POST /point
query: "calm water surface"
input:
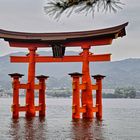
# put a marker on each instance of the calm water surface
(121, 121)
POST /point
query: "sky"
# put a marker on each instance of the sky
(29, 16)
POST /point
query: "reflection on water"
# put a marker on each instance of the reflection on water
(120, 122)
(36, 129)
(87, 130)
(29, 129)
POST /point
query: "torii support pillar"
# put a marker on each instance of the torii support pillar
(76, 95)
(87, 98)
(16, 83)
(42, 85)
(31, 81)
(98, 79)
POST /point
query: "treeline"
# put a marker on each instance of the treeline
(60, 93)
(126, 92)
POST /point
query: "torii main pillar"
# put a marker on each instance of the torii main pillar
(31, 81)
(87, 93)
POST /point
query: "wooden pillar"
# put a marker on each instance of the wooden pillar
(16, 83)
(42, 86)
(76, 95)
(98, 79)
(31, 81)
(87, 99)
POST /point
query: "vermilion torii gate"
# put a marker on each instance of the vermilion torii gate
(58, 42)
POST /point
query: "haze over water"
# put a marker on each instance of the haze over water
(121, 121)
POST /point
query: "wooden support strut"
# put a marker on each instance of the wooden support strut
(42, 104)
(76, 95)
(16, 83)
(27, 86)
(98, 79)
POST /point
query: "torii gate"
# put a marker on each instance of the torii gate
(58, 42)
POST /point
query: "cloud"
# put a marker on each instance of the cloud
(28, 15)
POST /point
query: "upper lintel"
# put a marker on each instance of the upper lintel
(45, 39)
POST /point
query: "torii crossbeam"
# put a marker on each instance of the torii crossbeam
(58, 42)
(49, 59)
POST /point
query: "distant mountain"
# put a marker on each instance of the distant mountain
(118, 73)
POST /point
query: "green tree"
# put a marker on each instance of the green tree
(119, 92)
(55, 8)
(128, 92)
